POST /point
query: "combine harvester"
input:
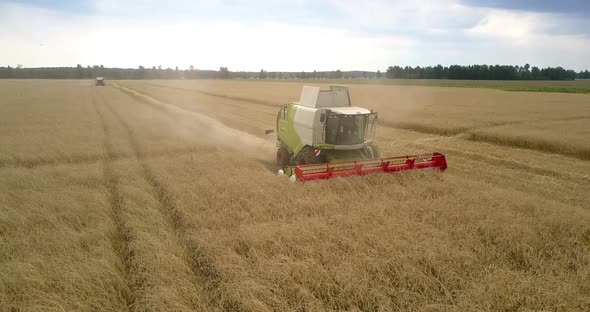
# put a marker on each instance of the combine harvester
(323, 136)
(100, 81)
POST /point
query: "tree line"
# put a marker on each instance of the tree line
(471, 72)
(485, 72)
(91, 72)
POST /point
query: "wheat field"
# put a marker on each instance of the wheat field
(162, 196)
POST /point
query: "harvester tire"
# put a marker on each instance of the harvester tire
(307, 156)
(283, 156)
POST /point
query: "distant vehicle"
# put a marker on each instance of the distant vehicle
(100, 81)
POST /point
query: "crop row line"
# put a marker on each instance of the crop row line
(122, 238)
(468, 134)
(88, 159)
(219, 95)
(196, 258)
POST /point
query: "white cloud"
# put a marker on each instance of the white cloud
(69, 39)
(370, 35)
(398, 15)
(272, 46)
(509, 24)
(527, 37)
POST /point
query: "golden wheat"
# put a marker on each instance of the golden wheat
(148, 204)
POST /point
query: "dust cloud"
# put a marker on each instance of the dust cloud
(209, 130)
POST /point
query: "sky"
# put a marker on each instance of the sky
(294, 35)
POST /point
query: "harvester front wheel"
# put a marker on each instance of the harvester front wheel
(309, 156)
(283, 156)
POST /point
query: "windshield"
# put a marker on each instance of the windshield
(346, 129)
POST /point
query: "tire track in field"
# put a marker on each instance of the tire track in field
(86, 159)
(122, 237)
(196, 258)
(219, 95)
(58, 160)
